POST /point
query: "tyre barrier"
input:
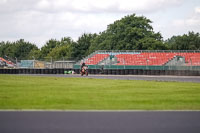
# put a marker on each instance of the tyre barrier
(105, 71)
(122, 72)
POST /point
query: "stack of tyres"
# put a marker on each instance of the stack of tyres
(8, 71)
(198, 73)
(30, 71)
(135, 72)
(38, 71)
(50, 71)
(179, 73)
(148, 72)
(1, 71)
(34, 71)
(171, 72)
(109, 71)
(23, 71)
(95, 71)
(157, 72)
(126, 72)
(167, 72)
(130, 72)
(19, 71)
(4, 71)
(58, 71)
(105, 71)
(14, 71)
(122, 72)
(92, 71)
(118, 72)
(144, 72)
(61, 71)
(161, 72)
(89, 71)
(140, 71)
(113, 72)
(77, 71)
(152, 72)
(183, 73)
(194, 73)
(54, 71)
(42, 71)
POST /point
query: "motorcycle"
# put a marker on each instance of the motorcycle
(84, 70)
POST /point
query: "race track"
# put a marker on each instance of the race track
(130, 77)
(99, 122)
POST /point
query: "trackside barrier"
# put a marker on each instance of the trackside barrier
(195, 68)
(34, 71)
(104, 71)
(141, 72)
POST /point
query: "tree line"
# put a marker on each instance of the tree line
(129, 33)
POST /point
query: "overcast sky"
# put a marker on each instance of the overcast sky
(37, 21)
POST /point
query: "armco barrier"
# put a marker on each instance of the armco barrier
(105, 71)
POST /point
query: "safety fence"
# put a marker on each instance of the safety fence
(38, 64)
(103, 71)
(196, 68)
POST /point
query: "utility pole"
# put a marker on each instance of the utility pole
(33, 61)
(51, 63)
(16, 61)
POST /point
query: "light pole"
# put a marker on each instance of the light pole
(33, 61)
(51, 63)
(16, 61)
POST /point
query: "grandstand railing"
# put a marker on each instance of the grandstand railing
(141, 51)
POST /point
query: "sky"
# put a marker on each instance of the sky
(38, 21)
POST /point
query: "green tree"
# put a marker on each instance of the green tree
(81, 48)
(129, 33)
(19, 49)
(63, 50)
(190, 41)
(35, 53)
(48, 47)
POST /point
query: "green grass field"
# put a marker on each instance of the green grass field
(34, 92)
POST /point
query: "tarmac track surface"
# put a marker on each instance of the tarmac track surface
(131, 77)
(99, 122)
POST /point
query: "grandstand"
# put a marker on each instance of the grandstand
(4, 62)
(181, 63)
(131, 59)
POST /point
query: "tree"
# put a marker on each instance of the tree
(35, 53)
(48, 47)
(63, 50)
(190, 41)
(19, 49)
(129, 33)
(81, 48)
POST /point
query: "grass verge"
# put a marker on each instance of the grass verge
(34, 92)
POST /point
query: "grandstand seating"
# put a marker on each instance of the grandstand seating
(96, 59)
(157, 58)
(147, 58)
(191, 58)
(144, 59)
(9, 63)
